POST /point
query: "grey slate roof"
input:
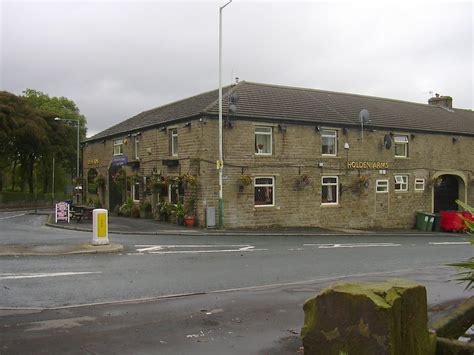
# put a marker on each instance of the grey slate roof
(291, 104)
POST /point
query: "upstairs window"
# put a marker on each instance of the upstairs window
(136, 144)
(263, 140)
(173, 138)
(401, 183)
(330, 190)
(118, 146)
(329, 142)
(401, 146)
(264, 191)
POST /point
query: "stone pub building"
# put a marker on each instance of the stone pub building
(293, 157)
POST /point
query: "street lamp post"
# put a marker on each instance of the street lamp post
(78, 124)
(220, 164)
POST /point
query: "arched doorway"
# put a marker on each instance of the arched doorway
(446, 192)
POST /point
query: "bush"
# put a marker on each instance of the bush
(468, 266)
(126, 209)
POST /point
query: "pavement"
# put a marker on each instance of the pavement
(137, 226)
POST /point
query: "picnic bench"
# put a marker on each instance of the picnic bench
(79, 213)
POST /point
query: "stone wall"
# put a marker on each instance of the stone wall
(297, 152)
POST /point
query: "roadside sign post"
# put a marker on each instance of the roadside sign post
(100, 227)
(62, 212)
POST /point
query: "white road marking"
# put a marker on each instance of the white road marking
(17, 215)
(352, 245)
(449, 243)
(36, 275)
(166, 249)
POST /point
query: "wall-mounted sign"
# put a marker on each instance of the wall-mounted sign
(120, 160)
(377, 165)
(93, 162)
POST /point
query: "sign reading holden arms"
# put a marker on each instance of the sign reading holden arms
(367, 165)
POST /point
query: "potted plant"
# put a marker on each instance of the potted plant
(260, 147)
(190, 217)
(179, 210)
(244, 180)
(165, 210)
(190, 220)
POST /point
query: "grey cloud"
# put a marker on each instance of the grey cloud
(117, 59)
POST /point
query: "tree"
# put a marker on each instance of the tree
(30, 137)
(62, 133)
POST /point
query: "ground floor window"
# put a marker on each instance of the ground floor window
(401, 183)
(264, 191)
(419, 184)
(330, 190)
(175, 193)
(381, 186)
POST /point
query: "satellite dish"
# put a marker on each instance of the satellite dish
(234, 98)
(387, 141)
(364, 116)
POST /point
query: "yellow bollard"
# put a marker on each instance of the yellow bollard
(100, 227)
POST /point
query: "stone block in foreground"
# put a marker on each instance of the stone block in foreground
(368, 318)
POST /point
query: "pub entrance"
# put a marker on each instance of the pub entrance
(446, 192)
(115, 188)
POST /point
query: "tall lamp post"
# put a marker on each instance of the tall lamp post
(78, 124)
(220, 162)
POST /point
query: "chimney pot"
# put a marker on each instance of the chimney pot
(444, 101)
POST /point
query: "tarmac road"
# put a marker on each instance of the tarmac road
(158, 265)
(243, 294)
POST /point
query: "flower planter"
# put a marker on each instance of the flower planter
(189, 221)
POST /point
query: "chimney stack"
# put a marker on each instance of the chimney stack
(443, 101)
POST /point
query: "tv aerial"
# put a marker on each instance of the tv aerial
(364, 118)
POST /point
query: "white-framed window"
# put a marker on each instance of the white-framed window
(329, 142)
(264, 191)
(329, 190)
(118, 146)
(136, 144)
(401, 146)
(175, 193)
(419, 184)
(136, 192)
(263, 140)
(401, 183)
(381, 186)
(172, 194)
(173, 139)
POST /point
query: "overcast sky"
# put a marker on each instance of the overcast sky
(116, 59)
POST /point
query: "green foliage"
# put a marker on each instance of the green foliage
(30, 138)
(165, 209)
(467, 275)
(179, 209)
(126, 209)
